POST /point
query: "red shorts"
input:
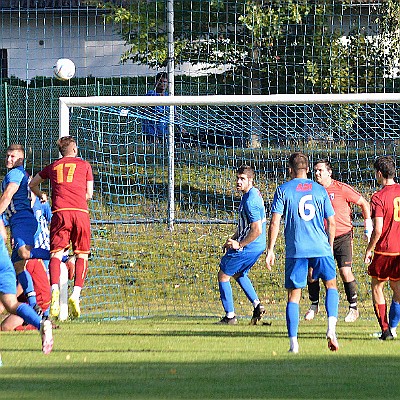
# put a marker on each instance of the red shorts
(385, 267)
(41, 283)
(70, 227)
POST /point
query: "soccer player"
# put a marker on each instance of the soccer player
(38, 271)
(342, 197)
(15, 202)
(8, 297)
(384, 265)
(305, 204)
(244, 248)
(71, 181)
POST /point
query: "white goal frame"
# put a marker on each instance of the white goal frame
(66, 103)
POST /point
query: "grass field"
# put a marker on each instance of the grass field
(196, 359)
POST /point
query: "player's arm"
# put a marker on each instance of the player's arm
(331, 229)
(366, 212)
(273, 232)
(89, 190)
(376, 234)
(254, 233)
(34, 186)
(7, 196)
(3, 231)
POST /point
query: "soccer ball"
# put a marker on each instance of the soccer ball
(64, 69)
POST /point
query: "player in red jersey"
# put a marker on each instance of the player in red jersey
(71, 180)
(342, 197)
(38, 271)
(385, 264)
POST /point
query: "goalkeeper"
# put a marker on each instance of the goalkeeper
(342, 197)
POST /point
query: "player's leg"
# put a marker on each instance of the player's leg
(343, 251)
(54, 270)
(394, 311)
(313, 295)
(81, 268)
(38, 270)
(325, 269)
(292, 318)
(230, 263)
(24, 278)
(246, 285)
(296, 270)
(25, 312)
(380, 307)
(63, 316)
(80, 240)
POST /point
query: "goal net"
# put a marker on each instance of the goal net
(165, 198)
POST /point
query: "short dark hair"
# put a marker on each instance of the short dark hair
(325, 161)
(246, 169)
(298, 161)
(386, 166)
(161, 75)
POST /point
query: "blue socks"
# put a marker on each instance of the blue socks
(247, 287)
(225, 290)
(25, 279)
(28, 314)
(332, 303)
(292, 318)
(394, 314)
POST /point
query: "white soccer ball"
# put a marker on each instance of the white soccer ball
(64, 69)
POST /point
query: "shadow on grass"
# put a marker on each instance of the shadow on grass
(329, 377)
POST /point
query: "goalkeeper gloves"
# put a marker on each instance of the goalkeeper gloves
(368, 227)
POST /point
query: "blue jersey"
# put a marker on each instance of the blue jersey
(304, 204)
(20, 205)
(43, 215)
(252, 209)
(158, 124)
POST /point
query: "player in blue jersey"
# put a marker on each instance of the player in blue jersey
(244, 248)
(157, 127)
(8, 297)
(15, 203)
(304, 204)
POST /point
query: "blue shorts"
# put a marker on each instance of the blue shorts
(24, 233)
(8, 279)
(296, 270)
(238, 261)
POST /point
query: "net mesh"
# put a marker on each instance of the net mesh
(141, 268)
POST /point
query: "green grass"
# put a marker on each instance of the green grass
(171, 358)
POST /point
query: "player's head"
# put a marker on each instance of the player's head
(385, 167)
(244, 178)
(161, 82)
(15, 155)
(67, 146)
(298, 164)
(323, 172)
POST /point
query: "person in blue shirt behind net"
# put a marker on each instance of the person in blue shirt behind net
(304, 205)
(244, 248)
(155, 128)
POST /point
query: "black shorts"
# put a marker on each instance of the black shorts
(343, 250)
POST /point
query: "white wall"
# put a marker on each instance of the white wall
(34, 42)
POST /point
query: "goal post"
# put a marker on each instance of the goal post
(139, 266)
